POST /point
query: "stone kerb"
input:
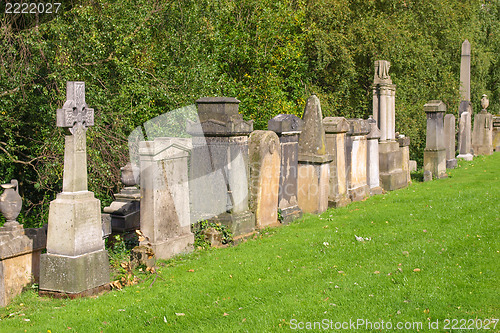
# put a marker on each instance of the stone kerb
(449, 140)
(435, 151)
(313, 166)
(482, 134)
(264, 158)
(165, 214)
(335, 133)
(288, 127)
(219, 170)
(356, 159)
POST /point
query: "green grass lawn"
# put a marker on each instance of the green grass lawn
(434, 254)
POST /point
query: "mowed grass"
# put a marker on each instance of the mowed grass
(434, 254)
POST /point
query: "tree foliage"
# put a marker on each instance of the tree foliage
(142, 58)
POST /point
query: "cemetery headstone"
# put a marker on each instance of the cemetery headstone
(464, 137)
(449, 140)
(496, 133)
(404, 147)
(465, 71)
(219, 172)
(76, 263)
(372, 162)
(392, 176)
(164, 214)
(335, 135)
(482, 134)
(435, 151)
(356, 159)
(264, 158)
(314, 161)
(288, 128)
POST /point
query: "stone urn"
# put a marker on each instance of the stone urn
(11, 203)
(127, 176)
(485, 102)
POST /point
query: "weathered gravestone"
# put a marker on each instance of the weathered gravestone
(20, 248)
(435, 151)
(392, 176)
(356, 158)
(288, 128)
(482, 135)
(449, 141)
(372, 162)
(404, 147)
(464, 137)
(496, 133)
(219, 172)
(76, 262)
(335, 133)
(264, 158)
(314, 162)
(124, 212)
(165, 214)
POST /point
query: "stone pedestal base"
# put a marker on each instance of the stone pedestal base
(482, 150)
(172, 246)
(435, 162)
(240, 224)
(359, 193)
(451, 164)
(290, 213)
(392, 175)
(338, 201)
(313, 187)
(126, 223)
(78, 275)
(376, 190)
(467, 157)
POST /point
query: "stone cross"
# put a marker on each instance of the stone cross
(76, 117)
(465, 71)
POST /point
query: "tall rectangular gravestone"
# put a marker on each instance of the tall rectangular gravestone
(335, 134)
(314, 161)
(464, 137)
(219, 170)
(372, 162)
(496, 133)
(392, 176)
(482, 134)
(356, 159)
(288, 128)
(264, 158)
(404, 147)
(76, 262)
(165, 215)
(449, 141)
(435, 151)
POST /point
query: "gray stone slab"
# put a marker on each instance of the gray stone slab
(435, 150)
(465, 71)
(449, 140)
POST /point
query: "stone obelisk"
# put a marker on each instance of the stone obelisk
(76, 263)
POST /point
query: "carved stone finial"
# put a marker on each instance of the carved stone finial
(382, 72)
(485, 102)
(75, 112)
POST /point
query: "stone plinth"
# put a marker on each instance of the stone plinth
(219, 170)
(404, 147)
(335, 133)
(372, 162)
(392, 176)
(496, 133)
(449, 141)
(482, 134)
(76, 262)
(264, 158)
(314, 162)
(165, 214)
(288, 128)
(464, 137)
(356, 159)
(19, 260)
(435, 151)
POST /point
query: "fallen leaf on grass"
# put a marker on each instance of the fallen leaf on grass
(191, 270)
(376, 272)
(226, 314)
(180, 314)
(416, 270)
